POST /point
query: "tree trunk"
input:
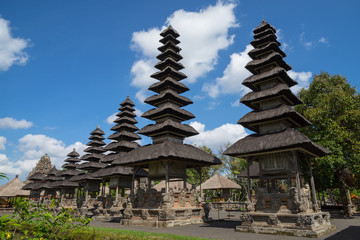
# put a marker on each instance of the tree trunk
(344, 197)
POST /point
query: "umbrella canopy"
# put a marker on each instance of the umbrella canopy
(13, 188)
(218, 182)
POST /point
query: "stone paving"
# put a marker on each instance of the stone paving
(347, 228)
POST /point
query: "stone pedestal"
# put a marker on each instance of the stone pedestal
(301, 224)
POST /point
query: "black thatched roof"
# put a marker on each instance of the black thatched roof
(168, 109)
(72, 160)
(169, 62)
(52, 178)
(273, 58)
(121, 146)
(128, 102)
(169, 31)
(288, 139)
(170, 45)
(264, 33)
(280, 90)
(125, 120)
(92, 165)
(73, 154)
(70, 172)
(169, 53)
(171, 95)
(124, 126)
(252, 120)
(70, 165)
(37, 177)
(92, 157)
(267, 38)
(33, 186)
(112, 156)
(169, 125)
(66, 184)
(126, 113)
(169, 71)
(167, 83)
(97, 131)
(112, 171)
(168, 150)
(169, 38)
(124, 135)
(271, 46)
(127, 108)
(262, 27)
(253, 81)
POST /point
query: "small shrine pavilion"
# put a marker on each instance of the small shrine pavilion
(277, 147)
(167, 157)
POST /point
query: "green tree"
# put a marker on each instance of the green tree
(333, 107)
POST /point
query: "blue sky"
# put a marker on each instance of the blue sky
(66, 65)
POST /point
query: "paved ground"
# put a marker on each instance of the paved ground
(347, 229)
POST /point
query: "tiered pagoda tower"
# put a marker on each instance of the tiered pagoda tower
(51, 179)
(119, 177)
(167, 158)
(94, 155)
(67, 187)
(277, 146)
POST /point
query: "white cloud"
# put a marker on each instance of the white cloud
(307, 44)
(234, 74)
(323, 40)
(11, 49)
(14, 124)
(33, 147)
(227, 133)
(2, 143)
(303, 79)
(236, 103)
(202, 34)
(110, 119)
(138, 112)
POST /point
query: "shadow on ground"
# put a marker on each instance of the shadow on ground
(351, 232)
(221, 224)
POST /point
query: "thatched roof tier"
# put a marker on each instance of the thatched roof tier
(72, 160)
(124, 135)
(126, 108)
(253, 120)
(169, 72)
(253, 82)
(125, 120)
(73, 154)
(53, 172)
(77, 178)
(92, 157)
(269, 47)
(84, 177)
(70, 165)
(95, 143)
(169, 38)
(66, 184)
(172, 46)
(254, 171)
(169, 53)
(168, 95)
(170, 31)
(112, 156)
(264, 33)
(37, 177)
(94, 149)
(168, 126)
(121, 146)
(127, 102)
(70, 173)
(175, 185)
(280, 91)
(168, 110)
(13, 188)
(118, 171)
(126, 113)
(124, 126)
(97, 131)
(262, 27)
(275, 59)
(267, 38)
(219, 182)
(91, 166)
(50, 185)
(51, 178)
(168, 150)
(96, 137)
(33, 186)
(286, 140)
(168, 83)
